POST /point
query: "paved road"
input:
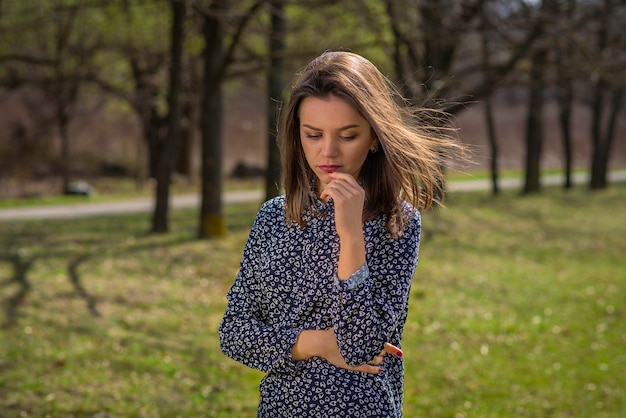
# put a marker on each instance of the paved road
(185, 201)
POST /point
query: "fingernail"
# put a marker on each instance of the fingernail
(380, 370)
(399, 353)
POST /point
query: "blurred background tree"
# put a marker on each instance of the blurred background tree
(190, 88)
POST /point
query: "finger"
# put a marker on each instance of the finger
(331, 189)
(367, 368)
(343, 176)
(340, 187)
(393, 350)
(337, 189)
(346, 180)
(377, 360)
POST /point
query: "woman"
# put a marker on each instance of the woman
(321, 298)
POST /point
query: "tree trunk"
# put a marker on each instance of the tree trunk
(617, 99)
(489, 121)
(599, 151)
(534, 125)
(66, 162)
(185, 154)
(493, 146)
(565, 92)
(275, 88)
(398, 46)
(212, 222)
(66, 95)
(598, 178)
(65, 92)
(189, 119)
(153, 134)
(603, 143)
(145, 103)
(565, 99)
(168, 154)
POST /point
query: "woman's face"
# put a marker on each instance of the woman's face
(334, 137)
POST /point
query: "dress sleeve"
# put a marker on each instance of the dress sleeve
(374, 299)
(244, 336)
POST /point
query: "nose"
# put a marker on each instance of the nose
(329, 147)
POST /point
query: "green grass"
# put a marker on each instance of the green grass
(517, 309)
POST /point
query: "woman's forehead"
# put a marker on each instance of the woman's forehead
(329, 111)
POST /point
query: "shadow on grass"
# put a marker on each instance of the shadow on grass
(72, 271)
(85, 240)
(20, 265)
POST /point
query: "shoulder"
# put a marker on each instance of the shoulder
(404, 224)
(410, 213)
(271, 211)
(269, 218)
(412, 221)
(273, 205)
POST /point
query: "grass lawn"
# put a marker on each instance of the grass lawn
(517, 309)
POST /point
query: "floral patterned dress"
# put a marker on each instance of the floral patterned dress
(287, 283)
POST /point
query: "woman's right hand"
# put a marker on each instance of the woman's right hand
(323, 343)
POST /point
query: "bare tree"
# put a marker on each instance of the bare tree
(608, 85)
(145, 102)
(489, 118)
(212, 222)
(450, 53)
(217, 56)
(64, 91)
(565, 99)
(534, 122)
(56, 64)
(275, 86)
(170, 147)
(564, 85)
(436, 53)
(145, 55)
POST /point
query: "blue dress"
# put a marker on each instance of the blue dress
(287, 283)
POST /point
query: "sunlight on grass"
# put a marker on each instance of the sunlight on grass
(517, 309)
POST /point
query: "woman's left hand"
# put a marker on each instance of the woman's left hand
(349, 198)
(323, 344)
(389, 349)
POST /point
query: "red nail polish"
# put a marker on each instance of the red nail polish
(380, 370)
(399, 353)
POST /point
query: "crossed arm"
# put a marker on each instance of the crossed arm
(349, 198)
(323, 343)
(364, 317)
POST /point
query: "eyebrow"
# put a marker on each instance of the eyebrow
(343, 128)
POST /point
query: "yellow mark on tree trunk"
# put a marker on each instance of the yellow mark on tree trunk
(214, 226)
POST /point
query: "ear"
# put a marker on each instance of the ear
(374, 145)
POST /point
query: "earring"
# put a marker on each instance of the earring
(374, 149)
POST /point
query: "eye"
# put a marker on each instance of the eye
(348, 137)
(312, 135)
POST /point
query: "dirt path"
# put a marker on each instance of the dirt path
(186, 201)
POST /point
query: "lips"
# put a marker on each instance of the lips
(329, 168)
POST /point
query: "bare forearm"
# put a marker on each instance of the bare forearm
(351, 255)
(307, 344)
(323, 344)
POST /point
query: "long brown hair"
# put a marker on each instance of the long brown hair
(408, 164)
